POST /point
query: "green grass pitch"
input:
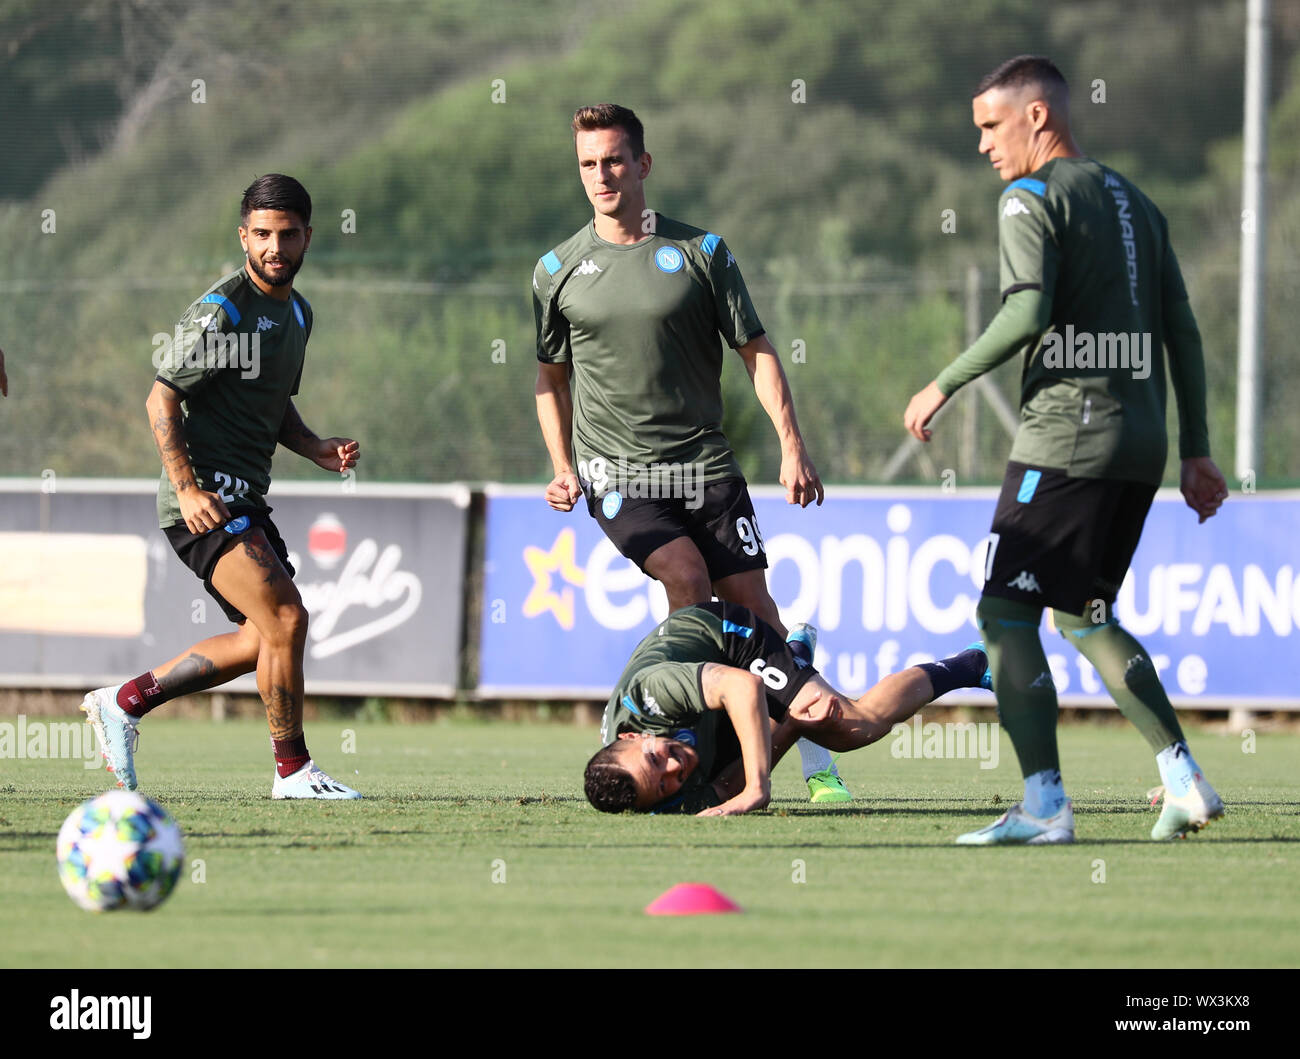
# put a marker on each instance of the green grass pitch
(475, 848)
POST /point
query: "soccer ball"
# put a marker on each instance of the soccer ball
(120, 850)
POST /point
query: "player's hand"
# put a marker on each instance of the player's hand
(814, 705)
(921, 409)
(1203, 486)
(799, 476)
(337, 454)
(202, 512)
(563, 492)
(746, 801)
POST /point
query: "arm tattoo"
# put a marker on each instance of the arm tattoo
(190, 674)
(169, 436)
(710, 679)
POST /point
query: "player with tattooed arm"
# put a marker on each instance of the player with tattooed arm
(221, 402)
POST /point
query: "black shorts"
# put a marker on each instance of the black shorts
(200, 552)
(721, 524)
(1062, 542)
(748, 640)
(756, 647)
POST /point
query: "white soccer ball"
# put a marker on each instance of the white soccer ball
(120, 850)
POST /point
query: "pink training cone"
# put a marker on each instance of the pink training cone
(691, 899)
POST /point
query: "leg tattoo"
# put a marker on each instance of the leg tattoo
(266, 559)
(192, 673)
(280, 713)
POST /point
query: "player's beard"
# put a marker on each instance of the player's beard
(278, 279)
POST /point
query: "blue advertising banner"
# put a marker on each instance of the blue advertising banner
(891, 577)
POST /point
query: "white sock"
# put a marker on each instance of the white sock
(1044, 794)
(1178, 769)
(815, 758)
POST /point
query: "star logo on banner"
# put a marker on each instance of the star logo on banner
(542, 564)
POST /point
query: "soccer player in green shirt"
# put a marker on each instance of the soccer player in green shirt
(221, 402)
(629, 393)
(713, 697)
(1093, 295)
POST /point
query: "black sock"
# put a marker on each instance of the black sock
(802, 656)
(963, 670)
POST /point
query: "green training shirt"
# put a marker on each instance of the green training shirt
(659, 690)
(639, 327)
(1093, 389)
(236, 358)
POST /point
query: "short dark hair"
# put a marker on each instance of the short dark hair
(611, 116)
(1025, 70)
(609, 786)
(275, 191)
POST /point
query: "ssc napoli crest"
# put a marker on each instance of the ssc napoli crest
(669, 259)
(237, 525)
(611, 504)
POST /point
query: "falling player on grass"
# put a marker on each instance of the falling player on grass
(712, 698)
(629, 313)
(217, 413)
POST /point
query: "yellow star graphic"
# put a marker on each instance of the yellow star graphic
(541, 564)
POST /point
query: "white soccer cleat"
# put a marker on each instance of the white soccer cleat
(310, 782)
(1016, 827)
(1188, 814)
(116, 732)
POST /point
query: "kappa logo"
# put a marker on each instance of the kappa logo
(1026, 582)
(588, 268)
(265, 323)
(730, 260)
(1013, 207)
(649, 703)
(1136, 664)
(209, 322)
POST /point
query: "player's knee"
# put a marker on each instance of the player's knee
(996, 618)
(1076, 628)
(289, 624)
(686, 586)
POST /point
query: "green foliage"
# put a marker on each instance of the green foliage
(441, 131)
